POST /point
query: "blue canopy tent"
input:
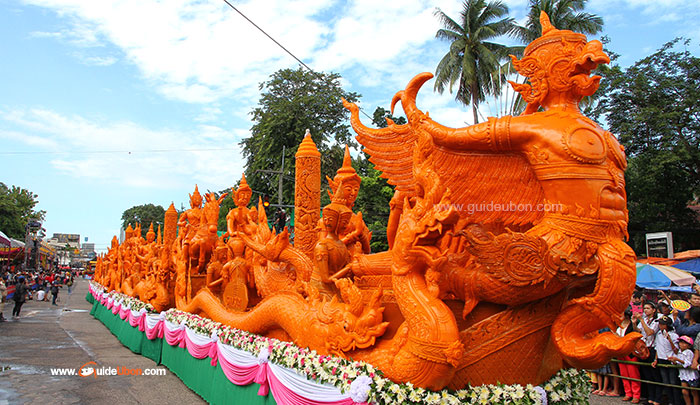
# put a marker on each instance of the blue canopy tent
(691, 266)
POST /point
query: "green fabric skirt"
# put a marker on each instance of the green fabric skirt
(198, 374)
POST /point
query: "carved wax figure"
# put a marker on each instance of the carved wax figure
(239, 218)
(330, 253)
(214, 270)
(356, 230)
(191, 219)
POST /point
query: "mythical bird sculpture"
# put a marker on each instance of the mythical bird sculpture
(540, 201)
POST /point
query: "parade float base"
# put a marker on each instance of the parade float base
(231, 373)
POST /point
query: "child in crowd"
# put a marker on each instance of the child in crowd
(636, 303)
(688, 377)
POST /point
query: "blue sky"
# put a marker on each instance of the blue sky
(87, 86)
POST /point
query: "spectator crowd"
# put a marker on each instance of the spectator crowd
(18, 288)
(669, 350)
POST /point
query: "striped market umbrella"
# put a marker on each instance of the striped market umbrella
(657, 276)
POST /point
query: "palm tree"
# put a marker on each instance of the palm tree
(564, 15)
(473, 60)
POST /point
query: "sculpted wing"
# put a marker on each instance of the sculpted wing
(390, 149)
(490, 188)
(512, 200)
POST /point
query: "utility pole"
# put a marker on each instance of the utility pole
(280, 181)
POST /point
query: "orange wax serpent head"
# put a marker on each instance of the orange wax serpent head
(558, 63)
(349, 178)
(243, 193)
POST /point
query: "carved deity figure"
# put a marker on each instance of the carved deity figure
(239, 219)
(330, 253)
(197, 234)
(356, 236)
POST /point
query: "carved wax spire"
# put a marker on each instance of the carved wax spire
(545, 23)
(159, 236)
(307, 195)
(307, 147)
(195, 197)
(170, 225)
(345, 174)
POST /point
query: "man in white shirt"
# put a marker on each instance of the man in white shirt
(666, 345)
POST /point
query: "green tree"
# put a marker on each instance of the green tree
(144, 215)
(380, 115)
(292, 102)
(652, 107)
(564, 15)
(16, 209)
(474, 61)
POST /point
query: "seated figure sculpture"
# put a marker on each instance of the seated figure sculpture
(330, 253)
(356, 236)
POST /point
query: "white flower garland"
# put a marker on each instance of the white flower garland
(362, 381)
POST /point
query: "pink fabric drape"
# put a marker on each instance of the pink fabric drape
(142, 322)
(174, 337)
(124, 312)
(284, 395)
(237, 374)
(134, 320)
(156, 331)
(201, 351)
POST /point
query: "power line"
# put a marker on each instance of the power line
(280, 45)
(84, 152)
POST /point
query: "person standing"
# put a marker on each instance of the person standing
(3, 295)
(54, 293)
(280, 220)
(20, 297)
(666, 345)
(647, 323)
(69, 282)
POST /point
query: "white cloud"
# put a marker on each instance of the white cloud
(202, 52)
(196, 51)
(97, 60)
(127, 154)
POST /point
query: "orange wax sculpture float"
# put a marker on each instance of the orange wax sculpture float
(465, 295)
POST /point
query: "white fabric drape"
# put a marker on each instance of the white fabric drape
(308, 389)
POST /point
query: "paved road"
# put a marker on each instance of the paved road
(47, 336)
(66, 335)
